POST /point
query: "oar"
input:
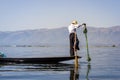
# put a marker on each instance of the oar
(85, 32)
(75, 51)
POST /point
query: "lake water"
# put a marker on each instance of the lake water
(105, 64)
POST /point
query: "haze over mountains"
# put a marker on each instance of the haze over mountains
(60, 36)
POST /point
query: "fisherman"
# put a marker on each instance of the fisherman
(72, 30)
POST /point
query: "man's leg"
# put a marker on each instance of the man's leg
(72, 44)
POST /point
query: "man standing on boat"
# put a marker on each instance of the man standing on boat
(72, 35)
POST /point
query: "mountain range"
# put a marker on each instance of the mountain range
(60, 36)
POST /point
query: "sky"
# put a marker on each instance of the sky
(37, 14)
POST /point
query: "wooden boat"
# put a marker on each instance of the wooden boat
(41, 60)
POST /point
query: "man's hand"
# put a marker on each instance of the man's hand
(85, 29)
(84, 24)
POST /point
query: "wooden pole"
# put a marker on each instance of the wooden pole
(75, 51)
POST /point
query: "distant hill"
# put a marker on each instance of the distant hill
(104, 36)
(60, 36)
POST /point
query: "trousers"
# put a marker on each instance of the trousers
(72, 42)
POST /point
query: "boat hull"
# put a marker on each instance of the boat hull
(41, 60)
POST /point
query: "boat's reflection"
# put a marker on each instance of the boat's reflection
(74, 72)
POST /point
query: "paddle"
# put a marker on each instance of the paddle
(85, 32)
(75, 51)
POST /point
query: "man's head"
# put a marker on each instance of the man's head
(74, 22)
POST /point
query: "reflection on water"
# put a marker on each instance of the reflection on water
(88, 70)
(74, 73)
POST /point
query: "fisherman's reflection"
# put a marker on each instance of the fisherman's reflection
(74, 73)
